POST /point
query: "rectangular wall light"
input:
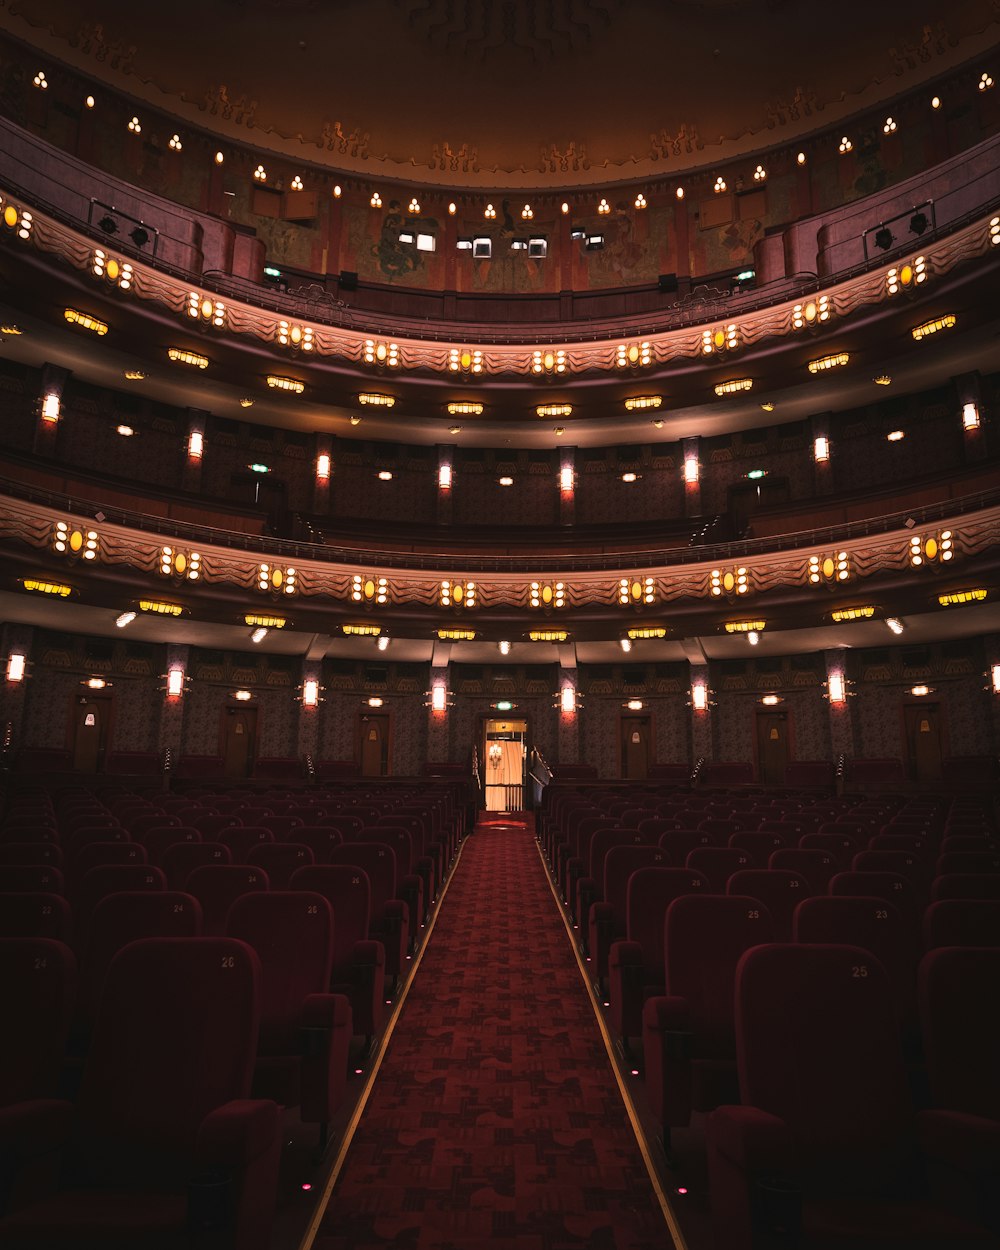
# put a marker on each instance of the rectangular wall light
(16, 663)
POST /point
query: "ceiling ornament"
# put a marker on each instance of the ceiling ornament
(541, 31)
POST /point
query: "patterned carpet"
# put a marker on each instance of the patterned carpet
(495, 1120)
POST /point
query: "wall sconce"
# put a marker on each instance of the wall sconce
(821, 449)
(837, 689)
(196, 444)
(970, 417)
(444, 477)
(17, 664)
(175, 683)
(438, 698)
(567, 701)
(323, 467)
(994, 678)
(701, 697)
(310, 692)
(691, 471)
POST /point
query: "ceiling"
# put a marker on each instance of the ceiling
(552, 92)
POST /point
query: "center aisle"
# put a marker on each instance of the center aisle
(495, 1120)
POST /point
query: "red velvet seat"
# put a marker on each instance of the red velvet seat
(46, 853)
(959, 991)
(163, 1141)
(717, 864)
(122, 918)
(212, 824)
(409, 885)
(635, 964)
(305, 1031)
(984, 861)
(283, 827)
(26, 832)
(156, 841)
(108, 879)
(689, 1038)
(38, 976)
(966, 885)
(280, 860)
(756, 843)
(962, 922)
(96, 854)
(390, 916)
(218, 886)
(588, 886)
(180, 860)
(36, 878)
(139, 826)
(825, 1138)
(606, 920)
(242, 840)
(779, 890)
(841, 847)
(24, 914)
(815, 865)
(358, 968)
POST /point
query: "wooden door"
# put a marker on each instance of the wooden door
(374, 744)
(90, 731)
(635, 736)
(923, 740)
(772, 747)
(239, 735)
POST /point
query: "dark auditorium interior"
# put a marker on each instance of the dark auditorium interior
(500, 621)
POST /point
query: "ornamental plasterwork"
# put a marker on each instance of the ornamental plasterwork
(138, 550)
(150, 285)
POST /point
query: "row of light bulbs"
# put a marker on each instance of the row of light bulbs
(845, 145)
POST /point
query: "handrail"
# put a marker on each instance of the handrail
(638, 558)
(679, 315)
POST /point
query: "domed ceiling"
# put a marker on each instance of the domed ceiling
(513, 92)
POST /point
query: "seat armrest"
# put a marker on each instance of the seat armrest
(236, 1133)
(753, 1139)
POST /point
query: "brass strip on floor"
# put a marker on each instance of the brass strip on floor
(352, 1126)
(676, 1235)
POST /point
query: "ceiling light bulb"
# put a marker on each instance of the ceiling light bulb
(504, 647)
(895, 624)
(124, 618)
(382, 642)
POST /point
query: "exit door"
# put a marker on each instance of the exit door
(239, 736)
(772, 747)
(504, 755)
(923, 740)
(374, 745)
(90, 733)
(635, 739)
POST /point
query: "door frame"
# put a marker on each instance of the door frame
(231, 708)
(760, 710)
(359, 717)
(934, 699)
(514, 714)
(647, 714)
(105, 696)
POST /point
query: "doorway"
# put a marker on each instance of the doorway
(239, 738)
(772, 747)
(634, 739)
(504, 752)
(373, 744)
(91, 721)
(922, 724)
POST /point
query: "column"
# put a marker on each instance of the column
(443, 484)
(14, 640)
(193, 449)
(822, 454)
(701, 712)
(568, 709)
(438, 745)
(171, 735)
(49, 409)
(322, 474)
(691, 471)
(843, 731)
(307, 739)
(567, 486)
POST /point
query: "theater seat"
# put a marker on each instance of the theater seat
(38, 976)
(390, 916)
(180, 860)
(358, 962)
(956, 922)
(305, 1031)
(688, 1035)
(218, 886)
(824, 1145)
(959, 885)
(35, 915)
(280, 860)
(47, 853)
(959, 990)
(779, 889)
(163, 1141)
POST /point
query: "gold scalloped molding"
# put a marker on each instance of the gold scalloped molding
(787, 128)
(33, 525)
(55, 239)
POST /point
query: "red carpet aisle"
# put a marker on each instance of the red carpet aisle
(496, 1120)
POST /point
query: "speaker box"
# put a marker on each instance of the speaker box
(667, 283)
(348, 280)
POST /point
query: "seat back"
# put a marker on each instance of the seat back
(292, 933)
(156, 841)
(779, 889)
(756, 843)
(800, 1010)
(348, 891)
(679, 843)
(959, 922)
(966, 885)
(984, 861)
(378, 860)
(704, 938)
(816, 866)
(110, 879)
(31, 853)
(619, 865)
(175, 1038)
(38, 976)
(25, 914)
(180, 860)
(717, 864)
(96, 854)
(125, 917)
(218, 886)
(35, 878)
(959, 993)
(398, 839)
(602, 842)
(280, 860)
(650, 893)
(241, 841)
